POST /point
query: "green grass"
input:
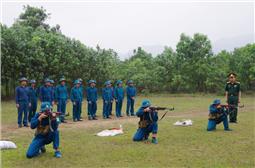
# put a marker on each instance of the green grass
(178, 146)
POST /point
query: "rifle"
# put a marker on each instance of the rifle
(153, 109)
(50, 114)
(227, 106)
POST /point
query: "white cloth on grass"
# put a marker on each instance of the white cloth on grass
(183, 123)
(7, 145)
(111, 132)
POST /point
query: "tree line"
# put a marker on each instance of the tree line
(34, 49)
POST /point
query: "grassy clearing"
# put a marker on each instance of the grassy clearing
(178, 146)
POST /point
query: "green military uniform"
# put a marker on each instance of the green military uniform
(233, 90)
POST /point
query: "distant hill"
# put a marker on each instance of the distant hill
(228, 44)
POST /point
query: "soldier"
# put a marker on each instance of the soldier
(62, 98)
(82, 90)
(131, 93)
(217, 114)
(53, 89)
(33, 95)
(147, 124)
(119, 96)
(22, 101)
(76, 98)
(91, 93)
(233, 95)
(112, 88)
(46, 92)
(107, 99)
(46, 132)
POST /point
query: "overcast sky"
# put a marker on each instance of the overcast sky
(125, 26)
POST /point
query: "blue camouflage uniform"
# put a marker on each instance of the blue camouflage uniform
(47, 132)
(91, 93)
(46, 93)
(119, 96)
(53, 90)
(61, 98)
(110, 111)
(22, 99)
(81, 90)
(33, 95)
(107, 99)
(76, 98)
(151, 126)
(216, 116)
(131, 92)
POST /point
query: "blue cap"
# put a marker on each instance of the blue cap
(130, 81)
(32, 81)
(146, 103)
(45, 106)
(23, 79)
(46, 80)
(92, 81)
(119, 82)
(107, 82)
(62, 79)
(216, 101)
(52, 81)
(77, 82)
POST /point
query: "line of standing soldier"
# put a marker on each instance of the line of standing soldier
(27, 98)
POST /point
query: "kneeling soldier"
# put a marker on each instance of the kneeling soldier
(147, 124)
(217, 114)
(46, 125)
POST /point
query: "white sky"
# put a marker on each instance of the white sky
(124, 26)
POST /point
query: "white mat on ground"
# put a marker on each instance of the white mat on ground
(7, 145)
(111, 132)
(183, 123)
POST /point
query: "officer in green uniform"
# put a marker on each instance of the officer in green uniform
(233, 94)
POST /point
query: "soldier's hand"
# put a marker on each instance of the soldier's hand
(53, 102)
(90, 102)
(17, 105)
(147, 109)
(54, 115)
(73, 103)
(116, 100)
(29, 104)
(42, 116)
(105, 101)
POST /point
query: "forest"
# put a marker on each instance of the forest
(34, 49)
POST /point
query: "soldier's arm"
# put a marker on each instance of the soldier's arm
(140, 112)
(35, 121)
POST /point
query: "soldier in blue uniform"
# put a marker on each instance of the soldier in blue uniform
(233, 96)
(147, 124)
(22, 101)
(82, 91)
(46, 92)
(112, 88)
(119, 96)
(33, 95)
(53, 89)
(91, 93)
(131, 93)
(76, 98)
(46, 132)
(62, 98)
(217, 114)
(107, 99)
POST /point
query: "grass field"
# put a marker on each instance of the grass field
(178, 146)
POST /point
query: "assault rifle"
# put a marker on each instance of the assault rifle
(49, 113)
(153, 109)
